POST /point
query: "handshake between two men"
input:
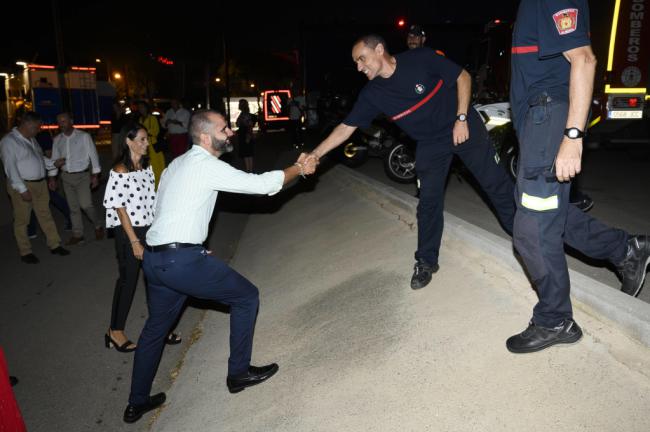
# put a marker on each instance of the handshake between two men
(305, 165)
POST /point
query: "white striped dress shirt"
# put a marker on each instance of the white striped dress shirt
(188, 192)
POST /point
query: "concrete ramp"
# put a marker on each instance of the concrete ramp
(360, 351)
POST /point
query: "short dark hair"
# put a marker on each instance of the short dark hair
(30, 117)
(372, 40)
(200, 123)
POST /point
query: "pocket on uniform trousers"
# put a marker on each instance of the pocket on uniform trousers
(538, 190)
(539, 114)
(537, 148)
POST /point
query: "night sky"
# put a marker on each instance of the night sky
(260, 39)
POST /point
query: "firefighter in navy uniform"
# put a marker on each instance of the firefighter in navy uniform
(428, 96)
(553, 70)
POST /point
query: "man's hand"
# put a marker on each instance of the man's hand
(26, 196)
(568, 160)
(51, 183)
(313, 156)
(461, 132)
(308, 163)
(94, 181)
(59, 162)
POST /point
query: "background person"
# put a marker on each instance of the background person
(75, 155)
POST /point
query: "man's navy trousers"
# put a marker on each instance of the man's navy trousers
(545, 220)
(172, 276)
(433, 160)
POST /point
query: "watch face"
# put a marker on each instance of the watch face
(573, 133)
(462, 117)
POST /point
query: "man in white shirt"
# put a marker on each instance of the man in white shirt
(75, 154)
(176, 264)
(176, 121)
(26, 172)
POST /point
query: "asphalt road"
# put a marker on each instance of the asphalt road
(53, 315)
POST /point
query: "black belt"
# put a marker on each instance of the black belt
(34, 181)
(77, 172)
(170, 246)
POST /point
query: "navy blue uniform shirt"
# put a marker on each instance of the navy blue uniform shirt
(543, 31)
(418, 72)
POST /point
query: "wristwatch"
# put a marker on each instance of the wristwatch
(461, 117)
(573, 133)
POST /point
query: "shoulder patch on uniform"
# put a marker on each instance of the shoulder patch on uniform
(566, 20)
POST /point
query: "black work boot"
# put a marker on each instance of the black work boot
(422, 273)
(536, 338)
(633, 268)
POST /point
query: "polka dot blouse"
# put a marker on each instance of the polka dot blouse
(135, 192)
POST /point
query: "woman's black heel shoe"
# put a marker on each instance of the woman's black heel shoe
(110, 343)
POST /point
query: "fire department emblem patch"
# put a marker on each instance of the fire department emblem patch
(566, 20)
(419, 88)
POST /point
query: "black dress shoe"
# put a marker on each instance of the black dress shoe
(30, 258)
(60, 251)
(13, 380)
(633, 268)
(173, 339)
(422, 274)
(536, 338)
(253, 376)
(133, 413)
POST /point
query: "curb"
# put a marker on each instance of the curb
(628, 313)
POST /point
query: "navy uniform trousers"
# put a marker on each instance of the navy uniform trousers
(545, 220)
(433, 160)
(172, 275)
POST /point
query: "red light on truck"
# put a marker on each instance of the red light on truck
(633, 102)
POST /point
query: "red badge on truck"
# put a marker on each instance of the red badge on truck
(566, 20)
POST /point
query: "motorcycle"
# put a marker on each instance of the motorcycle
(382, 139)
(498, 122)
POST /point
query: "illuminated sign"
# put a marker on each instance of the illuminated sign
(276, 105)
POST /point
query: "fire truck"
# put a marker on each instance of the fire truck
(628, 59)
(624, 98)
(39, 88)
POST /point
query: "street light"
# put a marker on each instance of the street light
(252, 85)
(117, 75)
(21, 63)
(217, 79)
(98, 60)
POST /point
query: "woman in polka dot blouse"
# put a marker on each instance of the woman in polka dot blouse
(129, 201)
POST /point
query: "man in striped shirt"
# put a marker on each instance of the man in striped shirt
(177, 265)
